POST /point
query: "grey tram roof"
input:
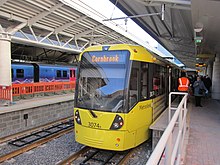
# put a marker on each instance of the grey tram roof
(177, 32)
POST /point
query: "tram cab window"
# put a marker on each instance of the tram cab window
(102, 85)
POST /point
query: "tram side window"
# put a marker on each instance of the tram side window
(162, 76)
(20, 73)
(174, 82)
(158, 80)
(144, 80)
(133, 89)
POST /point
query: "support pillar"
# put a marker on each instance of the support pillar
(216, 78)
(5, 64)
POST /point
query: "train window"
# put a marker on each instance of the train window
(144, 80)
(58, 73)
(71, 73)
(64, 73)
(20, 73)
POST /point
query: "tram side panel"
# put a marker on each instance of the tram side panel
(126, 124)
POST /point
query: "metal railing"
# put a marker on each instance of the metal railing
(17, 90)
(171, 147)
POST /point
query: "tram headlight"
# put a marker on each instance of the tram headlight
(117, 123)
(77, 117)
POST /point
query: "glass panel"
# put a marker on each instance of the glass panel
(158, 80)
(144, 80)
(20, 73)
(58, 73)
(133, 87)
(64, 73)
(102, 78)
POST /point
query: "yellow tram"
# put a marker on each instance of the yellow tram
(121, 89)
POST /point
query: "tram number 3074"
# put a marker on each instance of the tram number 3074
(94, 125)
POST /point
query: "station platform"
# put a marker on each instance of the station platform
(203, 146)
(35, 102)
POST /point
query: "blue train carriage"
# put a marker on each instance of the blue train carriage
(22, 73)
(54, 73)
(120, 91)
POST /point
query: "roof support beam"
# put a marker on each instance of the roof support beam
(103, 37)
(2, 2)
(171, 22)
(84, 46)
(34, 19)
(185, 5)
(46, 36)
(37, 4)
(24, 35)
(153, 21)
(1, 29)
(58, 39)
(162, 22)
(16, 28)
(68, 41)
(43, 14)
(181, 2)
(32, 31)
(43, 45)
(88, 31)
(61, 28)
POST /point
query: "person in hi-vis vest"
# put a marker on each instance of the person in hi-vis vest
(183, 84)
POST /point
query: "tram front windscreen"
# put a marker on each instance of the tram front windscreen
(102, 80)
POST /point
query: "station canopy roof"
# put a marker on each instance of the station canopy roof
(57, 30)
(46, 25)
(175, 32)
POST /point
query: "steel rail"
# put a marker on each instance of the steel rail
(29, 131)
(34, 145)
(74, 156)
(126, 157)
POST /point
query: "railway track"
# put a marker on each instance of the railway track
(88, 155)
(36, 129)
(37, 138)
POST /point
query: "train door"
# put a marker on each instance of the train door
(36, 73)
(72, 74)
(138, 88)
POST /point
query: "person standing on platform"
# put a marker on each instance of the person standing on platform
(183, 84)
(199, 87)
